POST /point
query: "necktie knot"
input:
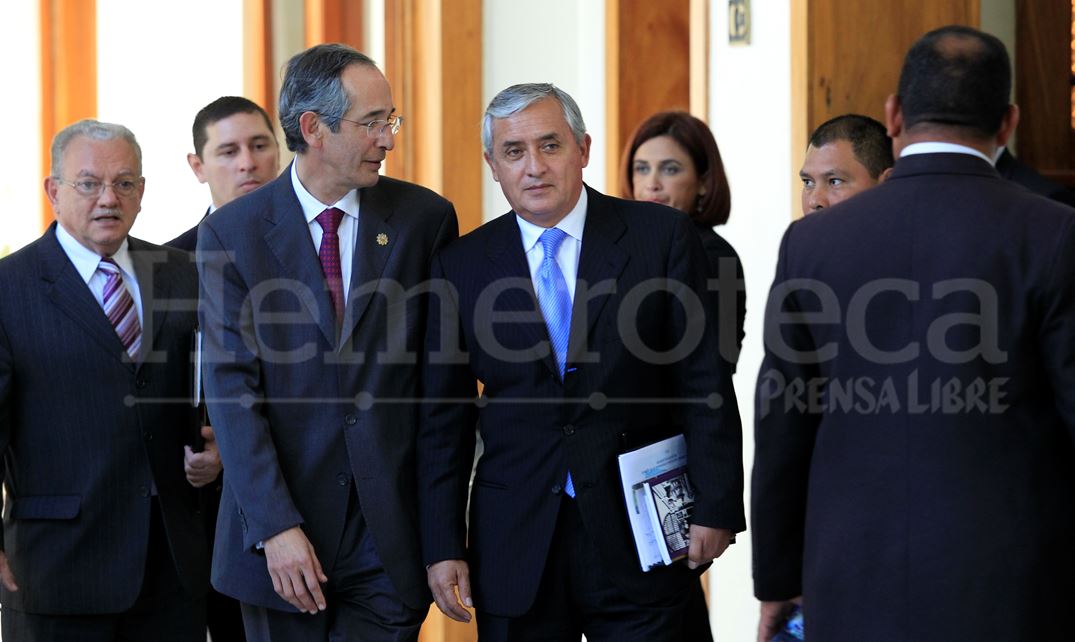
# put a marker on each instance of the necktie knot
(551, 240)
(108, 266)
(330, 219)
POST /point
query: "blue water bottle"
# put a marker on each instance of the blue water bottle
(793, 627)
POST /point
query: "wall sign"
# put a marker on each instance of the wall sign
(739, 22)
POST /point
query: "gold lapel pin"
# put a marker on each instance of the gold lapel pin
(382, 239)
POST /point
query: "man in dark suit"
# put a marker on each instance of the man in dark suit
(584, 317)
(235, 152)
(312, 314)
(102, 539)
(913, 474)
(1013, 169)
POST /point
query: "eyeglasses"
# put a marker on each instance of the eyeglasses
(92, 187)
(377, 128)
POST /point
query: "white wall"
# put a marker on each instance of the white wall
(21, 180)
(557, 41)
(750, 114)
(154, 80)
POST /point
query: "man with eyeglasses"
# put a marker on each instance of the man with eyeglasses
(312, 304)
(102, 538)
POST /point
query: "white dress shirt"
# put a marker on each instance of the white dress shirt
(942, 148)
(567, 256)
(348, 230)
(86, 261)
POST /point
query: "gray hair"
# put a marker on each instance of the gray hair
(312, 83)
(95, 130)
(516, 98)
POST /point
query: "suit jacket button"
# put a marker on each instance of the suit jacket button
(350, 420)
(141, 383)
(143, 491)
(148, 435)
(556, 489)
(341, 479)
(569, 429)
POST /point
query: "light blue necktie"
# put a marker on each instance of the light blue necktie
(555, 302)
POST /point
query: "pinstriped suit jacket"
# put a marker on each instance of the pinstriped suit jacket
(536, 427)
(86, 433)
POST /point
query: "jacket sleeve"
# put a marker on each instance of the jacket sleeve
(234, 395)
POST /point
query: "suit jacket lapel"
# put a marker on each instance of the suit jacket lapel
(601, 260)
(151, 288)
(68, 292)
(375, 243)
(289, 239)
(508, 261)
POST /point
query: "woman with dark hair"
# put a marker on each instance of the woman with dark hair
(673, 159)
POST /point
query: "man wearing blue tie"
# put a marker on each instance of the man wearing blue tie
(584, 317)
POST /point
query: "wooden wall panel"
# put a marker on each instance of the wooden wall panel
(335, 21)
(648, 56)
(258, 76)
(855, 50)
(68, 72)
(1045, 137)
(433, 60)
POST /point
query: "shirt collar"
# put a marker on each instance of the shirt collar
(936, 147)
(312, 208)
(572, 224)
(86, 260)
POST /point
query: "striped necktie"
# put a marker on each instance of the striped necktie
(119, 308)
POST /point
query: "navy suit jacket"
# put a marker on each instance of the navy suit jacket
(534, 427)
(86, 432)
(921, 486)
(188, 240)
(301, 416)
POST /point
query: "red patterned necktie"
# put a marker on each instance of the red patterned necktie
(119, 307)
(330, 257)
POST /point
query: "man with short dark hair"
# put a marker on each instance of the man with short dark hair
(235, 152)
(584, 316)
(102, 539)
(312, 317)
(914, 476)
(846, 155)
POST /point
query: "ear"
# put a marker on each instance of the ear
(312, 128)
(1008, 125)
(585, 148)
(195, 163)
(893, 116)
(884, 176)
(492, 165)
(51, 187)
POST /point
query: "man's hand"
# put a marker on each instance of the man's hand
(6, 576)
(444, 577)
(296, 573)
(707, 544)
(204, 467)
(772, 617)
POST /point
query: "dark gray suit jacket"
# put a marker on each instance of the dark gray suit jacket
(926, 489)
(86, 432)
(299, 415)
(536, 427)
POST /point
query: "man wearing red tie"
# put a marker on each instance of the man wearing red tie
(310, 340)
